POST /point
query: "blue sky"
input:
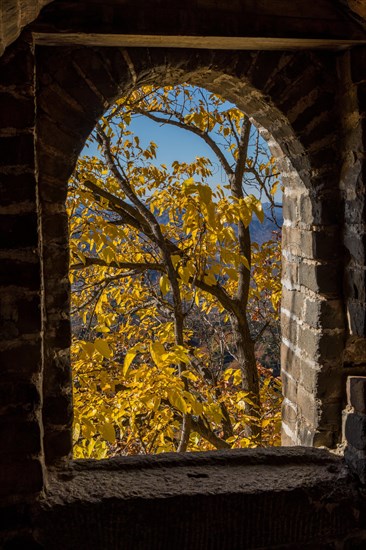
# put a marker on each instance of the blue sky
(174, 144)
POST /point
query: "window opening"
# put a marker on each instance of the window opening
(175, 273)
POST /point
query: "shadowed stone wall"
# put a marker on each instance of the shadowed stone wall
(310, 106)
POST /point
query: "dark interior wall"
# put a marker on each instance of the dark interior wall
(311, 107)
(20, 326)
(353, 98)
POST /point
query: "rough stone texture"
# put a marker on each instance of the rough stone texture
(20, 314)
(356, 393)
(287, 498)
(311, 108)
(14, 15)
(355, 426)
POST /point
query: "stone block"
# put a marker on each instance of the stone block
(324, 382)
(16, 112)
(17, 150)
(319, 245)
(20, 477)
(326, 314)
(356, 393)
(293, 301)
(22, 360)
(289, 387)
(289, 414)
(290, 273)
(19, 436)
(355, 430)
(57, 444)
(319, 345)
(17, 188)
(356, 461)
(325, 278)
(57, 409)
(18, 231)
(358, 60)
(309, 406)
(17, 396)
(290, 362)
(22, 274)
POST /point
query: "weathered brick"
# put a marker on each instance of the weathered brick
(355, 430)
(289, 328)
(324, 382)
(356, 461)
(22, 439)
(319, 245)
(286, 439)
(57, 444)
(289, 414)
(324, 313)
(22, 360)
(316, 344)
(16, 112)
(97, 72)
(289, 387)
(20, 477)
(55, 227)
(325, 278)
(56, 167)
(18, 231)
(57, 409)
(356, 393)
(16, 395)
(309, 406)
(16, 188)
(290, 362)
(22, 274)
(294, 301)
(17, 67)
(20, 316)
(358, 57)
(50, 133)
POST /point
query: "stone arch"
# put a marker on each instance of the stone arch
(289, 94)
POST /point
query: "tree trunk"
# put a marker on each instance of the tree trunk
(248, 366)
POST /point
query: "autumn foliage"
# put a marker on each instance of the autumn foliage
(169, 293)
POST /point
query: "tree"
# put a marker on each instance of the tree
(155, 246)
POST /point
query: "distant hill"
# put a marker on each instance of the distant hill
(262, 232)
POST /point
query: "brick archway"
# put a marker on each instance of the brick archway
(291, 97)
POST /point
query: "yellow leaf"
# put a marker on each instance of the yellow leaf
(129, 357)
(177, 401)
(157, 350)
(107, 432)
(189, 375)
(103, 348)
(164, 285)
(88, 347)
